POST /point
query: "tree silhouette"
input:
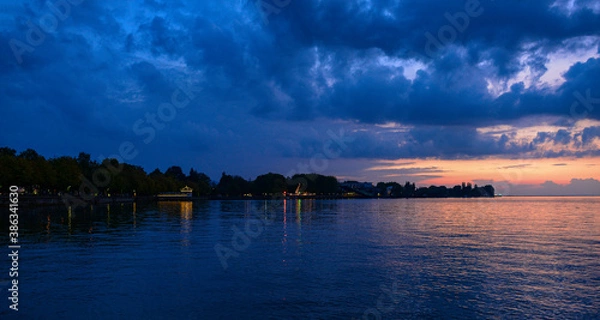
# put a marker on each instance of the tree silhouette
(200, 182)
(270, 183)
(36, 174)
(176, 173)
(233, 186)
(67, 173)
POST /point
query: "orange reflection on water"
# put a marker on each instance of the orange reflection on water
(184, 210)
(70, 217)
(180, 208)
(134, 212)
(500, 235)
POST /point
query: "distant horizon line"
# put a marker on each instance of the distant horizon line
(548, 195)
(341, 179)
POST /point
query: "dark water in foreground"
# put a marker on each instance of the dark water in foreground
(311, 259)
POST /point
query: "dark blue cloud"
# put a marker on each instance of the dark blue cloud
(589, 134)
(107, 65)
(562, 137)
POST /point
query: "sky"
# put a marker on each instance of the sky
(429, 91)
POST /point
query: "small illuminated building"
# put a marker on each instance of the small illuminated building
(184, 193)
(186, 190)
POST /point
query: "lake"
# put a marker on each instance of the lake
(511, 257)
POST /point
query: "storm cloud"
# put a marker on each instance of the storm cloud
(405, 79)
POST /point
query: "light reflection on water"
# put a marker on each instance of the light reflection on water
(314, 259)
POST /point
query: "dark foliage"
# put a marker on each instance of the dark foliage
(81, 175)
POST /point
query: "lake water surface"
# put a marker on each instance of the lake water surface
(512, 257)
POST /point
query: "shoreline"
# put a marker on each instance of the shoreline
(43, 201)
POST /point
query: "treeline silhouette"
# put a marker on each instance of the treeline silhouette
(409, 190)
(72, 175)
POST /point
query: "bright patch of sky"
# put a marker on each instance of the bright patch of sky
(556, 63)
(410, 67)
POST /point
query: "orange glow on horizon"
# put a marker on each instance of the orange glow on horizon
(514, 171)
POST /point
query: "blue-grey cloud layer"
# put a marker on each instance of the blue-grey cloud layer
(272, 85)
